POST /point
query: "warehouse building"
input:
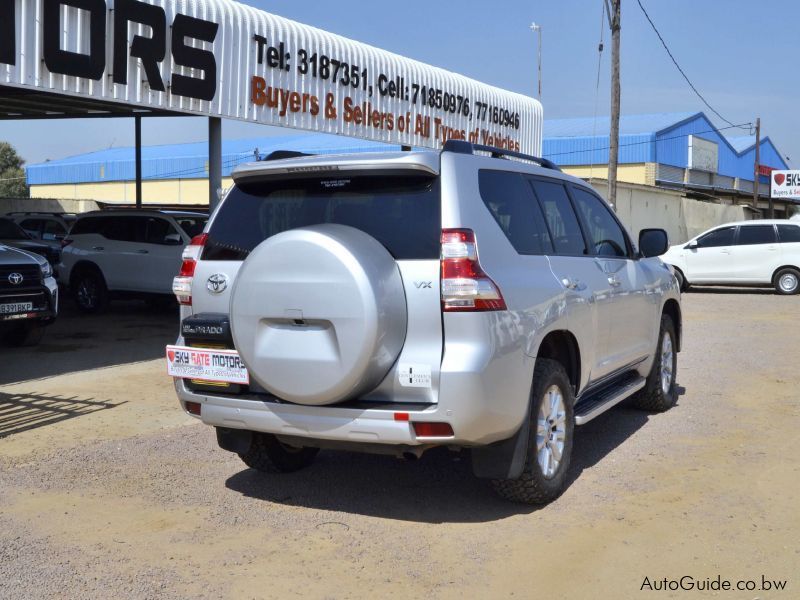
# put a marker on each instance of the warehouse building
(682, 151)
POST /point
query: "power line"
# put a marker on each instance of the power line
(676, 137)
(686, 77)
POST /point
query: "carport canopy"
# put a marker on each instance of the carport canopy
(18, 104)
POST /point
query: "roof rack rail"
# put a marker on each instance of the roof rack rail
(462, 147)
(281, 154)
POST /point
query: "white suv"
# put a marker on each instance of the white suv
(125, 253)
(749, 253)
(396, 302)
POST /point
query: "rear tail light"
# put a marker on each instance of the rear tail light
(465, 287)
(194, 408)
(182, 284)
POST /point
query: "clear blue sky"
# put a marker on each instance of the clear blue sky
(742, 55)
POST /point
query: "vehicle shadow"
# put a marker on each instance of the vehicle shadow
(438, 488)
(23, 412)
(732, 290)
(126, 332)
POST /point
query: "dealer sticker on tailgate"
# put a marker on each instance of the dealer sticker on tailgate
(210, 365)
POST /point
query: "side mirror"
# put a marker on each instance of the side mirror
(653, 242)
(691, 245)
(173, 239)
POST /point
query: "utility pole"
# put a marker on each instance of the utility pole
(755, 168)
(614, 17)
(538, 29)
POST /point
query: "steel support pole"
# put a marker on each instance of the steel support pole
(137, 120)
(214, 161)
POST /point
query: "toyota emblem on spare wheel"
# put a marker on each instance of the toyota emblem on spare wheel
(217, 283)
(15, 278)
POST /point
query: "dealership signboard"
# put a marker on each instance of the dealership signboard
(225, 59)
(785, 184)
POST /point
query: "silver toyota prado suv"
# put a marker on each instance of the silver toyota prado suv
(474, 298)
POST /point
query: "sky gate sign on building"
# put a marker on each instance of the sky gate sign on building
(222, 58)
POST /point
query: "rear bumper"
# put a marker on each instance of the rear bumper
(483, 393)
(476, 414)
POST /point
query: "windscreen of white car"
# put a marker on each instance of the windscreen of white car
(401, 212)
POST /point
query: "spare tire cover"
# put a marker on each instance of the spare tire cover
(318, 314)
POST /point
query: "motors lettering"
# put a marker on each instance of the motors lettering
(150, 50)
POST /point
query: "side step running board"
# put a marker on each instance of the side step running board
(600, 402)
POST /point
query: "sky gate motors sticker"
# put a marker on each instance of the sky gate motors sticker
(785, 184)
(211, 365)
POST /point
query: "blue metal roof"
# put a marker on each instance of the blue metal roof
(658, 138)
(186, 161)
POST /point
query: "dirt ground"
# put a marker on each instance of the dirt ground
(108, 490)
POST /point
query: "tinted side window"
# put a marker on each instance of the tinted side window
(605, 234)
(158, 230)
(54, 227)
(512, 204)
(561, 219)
(125, 229)
(756, 234)
(716, 238)
(789, 233)
(32, 226)
(88, 225)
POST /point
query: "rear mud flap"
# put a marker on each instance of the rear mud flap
(504, 459)
(234, 440)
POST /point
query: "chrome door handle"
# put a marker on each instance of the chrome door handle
(570, 283)
(614, 282)
(143, 252)
(98, 248)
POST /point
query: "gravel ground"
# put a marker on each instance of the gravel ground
(108, 490)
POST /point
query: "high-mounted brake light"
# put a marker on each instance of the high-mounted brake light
(465, 287)
(182, 284)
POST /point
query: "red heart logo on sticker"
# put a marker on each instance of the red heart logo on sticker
(780, 178)
(171, 355)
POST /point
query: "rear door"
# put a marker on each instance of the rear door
(586, 289)
(711, 260)
(757, 254)
(633, 313)
(158, 255)
(789, 238)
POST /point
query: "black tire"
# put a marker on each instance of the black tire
(268, 455)
(653, 396)
(89, 291)
(25, 334)
(682, 285)
(787, 281)
(533, 486)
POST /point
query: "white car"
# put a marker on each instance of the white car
(125, 253)
(748, 253)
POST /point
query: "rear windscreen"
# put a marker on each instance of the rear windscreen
(401, 212)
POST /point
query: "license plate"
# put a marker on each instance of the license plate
(18, 307)
(210, 365)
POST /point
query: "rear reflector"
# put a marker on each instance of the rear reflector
(182, 284)
(193, 408)
(401, 416)
(465, 287)
(433, 430)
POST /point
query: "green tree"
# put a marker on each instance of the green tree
(12, 175)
